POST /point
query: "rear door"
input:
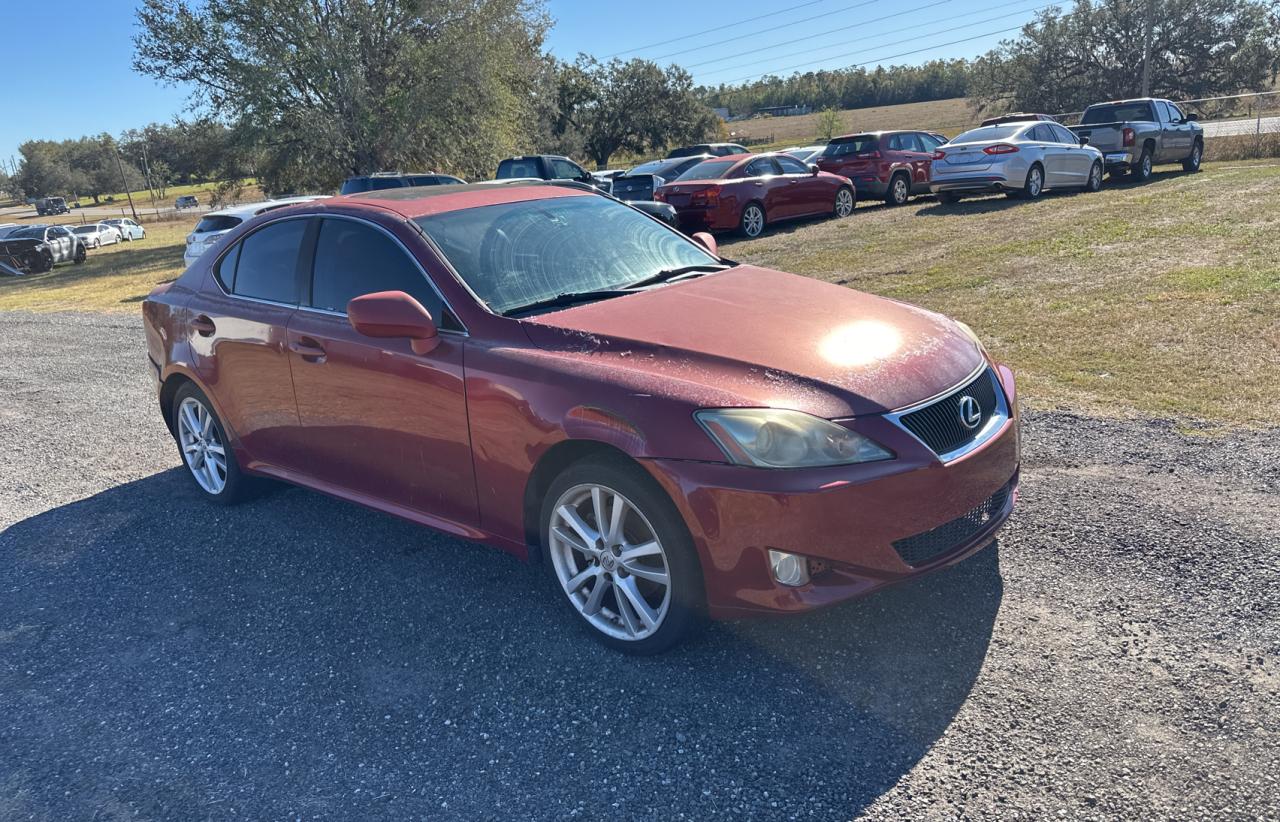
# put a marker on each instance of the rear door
(378, 419)
(238, 331)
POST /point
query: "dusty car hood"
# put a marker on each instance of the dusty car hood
(772, 339)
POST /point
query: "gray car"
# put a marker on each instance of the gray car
(1017, 159)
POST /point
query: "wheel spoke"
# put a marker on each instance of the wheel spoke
(214, 448)
(206, 419)
(629, 590)
(618, 516)
(586, 532)
(598, 505)
(592, 605)
(190, 447)
(645, 549)
(581, 579)
(189, 417)
(645, 572)
(627, 614)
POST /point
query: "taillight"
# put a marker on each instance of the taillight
(1128, 136)
(708, 196)
(939, 154)
(1000, 148)
(658, 195)
(869, 155)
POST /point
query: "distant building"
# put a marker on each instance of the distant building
(722, 113)
(784, 111)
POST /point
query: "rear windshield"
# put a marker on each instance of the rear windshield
(862, 144)
(989, 134)
(708, 170)
(651, 167)
(217, 222)
(526, 167)
(1116, 113)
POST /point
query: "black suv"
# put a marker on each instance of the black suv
(51, 205)
(547, 167)
(395, 179)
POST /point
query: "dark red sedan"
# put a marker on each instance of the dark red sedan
(748, 191)
(552, 372)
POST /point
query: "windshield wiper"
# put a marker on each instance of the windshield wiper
(672, 274)
(566, 298)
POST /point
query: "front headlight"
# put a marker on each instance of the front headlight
(771, 438)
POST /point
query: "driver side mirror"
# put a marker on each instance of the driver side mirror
(708, 242)
(394, 314)
(813, 169)
(1084, 140)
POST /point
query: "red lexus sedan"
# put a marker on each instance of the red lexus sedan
(748, 191)
(552, 372)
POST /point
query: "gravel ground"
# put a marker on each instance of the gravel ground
(1114, 656)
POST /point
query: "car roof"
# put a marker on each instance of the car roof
(422, 201)
(249, 209)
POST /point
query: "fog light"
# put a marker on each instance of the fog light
(789, 569)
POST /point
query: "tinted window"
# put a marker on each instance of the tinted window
(523, 167)
(33, 233)
(929, 142)
(846, 146)
(268, 264)
(708, 170)
(1065, 135)
(988, 134)
(565, 170)
(687, 151)
(1175, 114)
(791, 165)
(216, 222)
(59, 231)
(514, 254)
(353, 259)
(226, 269)
(85, 229)
(651, 167)
(762, 167)
(1116, 113)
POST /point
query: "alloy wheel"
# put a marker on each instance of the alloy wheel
(752, 221)
(1146, 166)
(1035, 181)
(202, 448)
(610, 562)
(900, 193)
(844, 202)
(1095, 177)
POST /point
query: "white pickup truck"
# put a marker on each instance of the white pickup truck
(1135, 135)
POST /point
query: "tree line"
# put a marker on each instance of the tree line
(303, 93)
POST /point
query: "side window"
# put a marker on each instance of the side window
(790, 165)
(225, 271)
(267, 267)
(565, 170)
(1065, 136)
(1175, 114)
(762, 167)
(353, 258)
(910, 142)
(1043, 134)
(929, 142)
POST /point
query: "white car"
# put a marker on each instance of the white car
(805, 154)
(217, 223)
(96, 235)
(129, 230)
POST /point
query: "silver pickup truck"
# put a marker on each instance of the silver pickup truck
(1134, 135)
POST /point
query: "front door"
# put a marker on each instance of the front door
(378, 419)
(763, 181)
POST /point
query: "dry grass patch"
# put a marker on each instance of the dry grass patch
(1157, 299)
(948, 116)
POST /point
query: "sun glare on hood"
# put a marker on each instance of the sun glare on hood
(860, 343)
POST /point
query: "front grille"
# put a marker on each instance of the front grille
(939, 425)
(922, 548)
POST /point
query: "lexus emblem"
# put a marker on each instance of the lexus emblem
(970, 412)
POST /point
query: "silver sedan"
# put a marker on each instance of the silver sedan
(1018, 159)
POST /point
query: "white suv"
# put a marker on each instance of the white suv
(216, 223)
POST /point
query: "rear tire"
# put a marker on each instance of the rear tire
(1146, 166)
(751, 223)
(651, 520)
(899, 190)
(200, 437)
(1034, 186)
(1192, 163)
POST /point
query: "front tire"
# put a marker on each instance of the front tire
(621, 556)
(205, 448)
(38, 262)
(1094, 183)
(899, 191)
(1192, 163)
(81, 254)
(751, 223)
(846, 201)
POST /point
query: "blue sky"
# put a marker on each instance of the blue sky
(84, 83)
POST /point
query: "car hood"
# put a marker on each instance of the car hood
(756, 337)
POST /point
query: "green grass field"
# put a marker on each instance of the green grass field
(1161, 299)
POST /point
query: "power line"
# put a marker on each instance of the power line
(860, 24)
(915, 36)
(765, 31)
(877, 60)
(713, 29)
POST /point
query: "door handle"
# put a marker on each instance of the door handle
(308, 349)
(758, 183)
(203, 326)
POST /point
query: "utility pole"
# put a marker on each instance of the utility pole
(124, 181)
(1146, 47)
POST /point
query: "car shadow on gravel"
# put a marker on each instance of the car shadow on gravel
(301, 655)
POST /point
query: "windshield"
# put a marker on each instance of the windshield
(1117, 113)
(708, 170)
(515, 254)
(988, 134)
(217, 222)
(32, 233)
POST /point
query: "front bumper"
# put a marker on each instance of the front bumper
(847, 518)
